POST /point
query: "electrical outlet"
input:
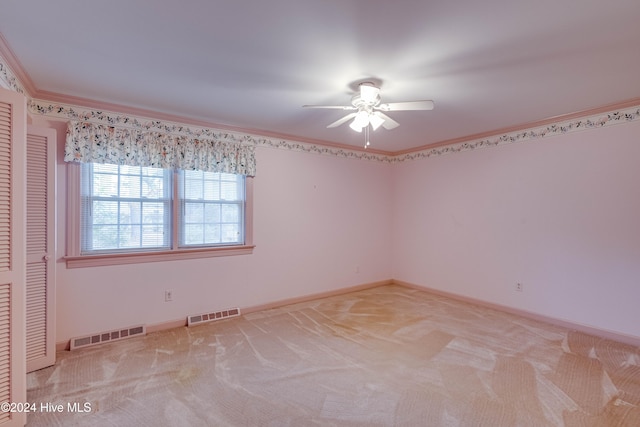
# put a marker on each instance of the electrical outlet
(168, 295)
(519, 287)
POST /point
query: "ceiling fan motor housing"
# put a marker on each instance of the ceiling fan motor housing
(367, 98)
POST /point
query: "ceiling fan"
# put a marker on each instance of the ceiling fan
(367, 109)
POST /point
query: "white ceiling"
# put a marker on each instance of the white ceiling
(252, 64)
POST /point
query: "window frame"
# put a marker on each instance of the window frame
(74, 258)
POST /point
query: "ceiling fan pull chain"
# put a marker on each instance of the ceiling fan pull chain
(366, 137)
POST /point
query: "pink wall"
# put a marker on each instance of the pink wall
(320, 223)
(560, 215)
(317, 219)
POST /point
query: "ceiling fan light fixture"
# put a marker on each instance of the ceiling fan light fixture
(375, 121)
(360, 121)
(366, 110)
(355, 127)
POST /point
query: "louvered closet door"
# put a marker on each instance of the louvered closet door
(12, 254)
(41, 346)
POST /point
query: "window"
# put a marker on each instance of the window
(211, 208)
(132, 214)
(125, 208)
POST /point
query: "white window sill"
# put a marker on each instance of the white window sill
(142, 257)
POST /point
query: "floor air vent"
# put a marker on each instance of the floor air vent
(197, 319)
(120, 334)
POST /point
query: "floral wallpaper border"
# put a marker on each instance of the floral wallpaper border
(8, 79)
(70, 112)
(583, 123)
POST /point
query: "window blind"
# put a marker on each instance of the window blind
(211, 208)
(125, 208)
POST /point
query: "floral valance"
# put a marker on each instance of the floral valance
(97, 143)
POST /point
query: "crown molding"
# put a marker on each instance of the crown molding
(624, 112)
(598, 118)
(61, 111)
(64, 107)
(148, 115)
(12, 75)
(556, 120)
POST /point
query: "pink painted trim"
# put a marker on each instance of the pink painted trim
(602, 333)
(248, 211)
(106, 106)
(142, 257)
(66, 345)
(172, 324)
(73, 209)
(66, 99)
(626, 339)
(311, 297)
(16, 67)
(524, 126)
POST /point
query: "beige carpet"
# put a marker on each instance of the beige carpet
(388, 356)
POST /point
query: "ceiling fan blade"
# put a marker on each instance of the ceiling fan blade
(406, 106)
(333, 107)
(342, 120)
(389, 123)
